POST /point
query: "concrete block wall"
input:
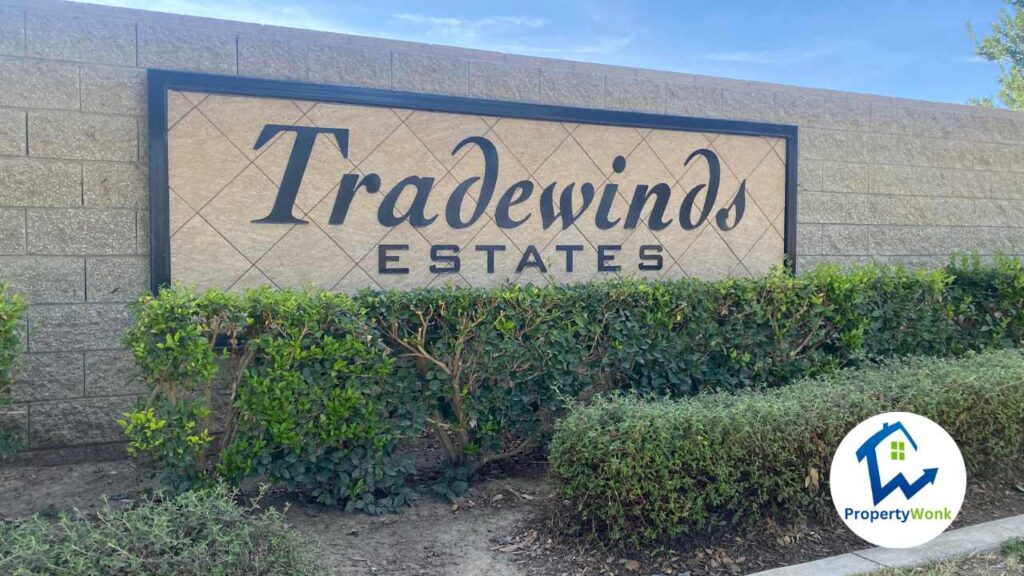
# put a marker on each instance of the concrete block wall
(880, 178)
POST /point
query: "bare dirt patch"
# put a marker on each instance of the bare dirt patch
(503, 528)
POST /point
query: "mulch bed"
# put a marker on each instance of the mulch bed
(538, 548)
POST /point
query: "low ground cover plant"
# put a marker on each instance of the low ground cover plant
(199, 533)
(320, 388)
(12, 307)
(637, 470)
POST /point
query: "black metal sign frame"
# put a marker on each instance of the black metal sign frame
(160, 82)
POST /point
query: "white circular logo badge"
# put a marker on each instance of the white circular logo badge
(898, 480)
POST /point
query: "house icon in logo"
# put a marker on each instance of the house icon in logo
(869, 451)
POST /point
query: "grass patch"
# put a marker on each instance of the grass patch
(203, 533)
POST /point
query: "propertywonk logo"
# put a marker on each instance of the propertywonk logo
(898, 480)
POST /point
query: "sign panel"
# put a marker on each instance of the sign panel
(345, 193)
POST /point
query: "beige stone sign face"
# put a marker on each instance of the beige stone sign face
(293, 193)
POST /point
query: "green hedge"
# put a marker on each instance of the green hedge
(489, 371)
(637, 471)
(202, 533)
(313, 401)
(11, 309)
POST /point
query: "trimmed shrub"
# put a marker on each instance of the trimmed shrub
(11, 309)
(489, 371)
(201, 533)
(637, 471)
(313, 403)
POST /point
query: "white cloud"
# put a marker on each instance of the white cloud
(971, 59)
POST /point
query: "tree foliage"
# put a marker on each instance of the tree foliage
(1005, 46)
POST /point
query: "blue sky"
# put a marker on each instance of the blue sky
(909, 48)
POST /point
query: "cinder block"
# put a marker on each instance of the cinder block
(68, 231)
(748, 104)
(116, 278)
(687, 99)
(178, 46)
(77, 136)
(809, 174)
(12, 230)
(434, 74)
(800, 109)
(846, 177)
(12, 30)
(34, 182)
(12, 133)
(808, 239)
(817, 144)
(60, 35)
(142, 232)
(113, 90)
(112, 373)
(633, 93)
(349, 65)
(77, 422)
(45, 279)
(911, 240)
(38, 84)
(845, 114)
(266, 56)
(503, 81)
(77, 327)
(569, 88)
(115, 185)
(845, 240)
(50, 377)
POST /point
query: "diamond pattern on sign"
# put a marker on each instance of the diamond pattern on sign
(201, 161)
(253, 278)
(530, 141)
(204, 259)
(602, 149)
(474, 261)
(673, 148)
(354, 281)
(215, 171)
(252, 188)
(242, 119)
(323, 173)
(744, 153)
(177, 106)
(441, 133)
(180, 212)
(412, 252)
(708, 257)
(367, 126)
(762, 186)
(305, 256)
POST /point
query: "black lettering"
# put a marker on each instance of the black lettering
(531, 259)
(350, 184)
(739, 204)
(383, 258)
(605, 256)
(565, 212)
(453, 210)
(415, 215)
(569, 249)
(651, 258)
(516, 194)
(438, 255)
(490, 249)
(641, 195)
(298, 160)
(714, 176)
